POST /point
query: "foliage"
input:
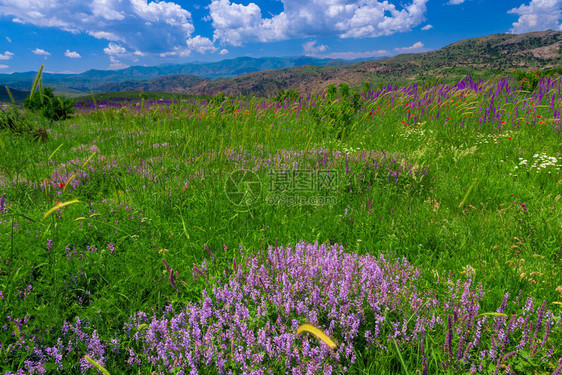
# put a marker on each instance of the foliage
(53, 107)
(218, 99)
(339, 115)
(290, 95)
(425, 240)
(10, 119)
(530, 79)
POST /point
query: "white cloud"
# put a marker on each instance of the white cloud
(151, 26)
(416, 47)
(309, 48)
(105, 35)
(8, 39)
(138, 53)
(2, 66)
(114, 49)
(72, 54)
(116, 64)
(357, 55)
(538, 15)
(236, 23)
(455, 2)
(200, 44)
(427, 27)
(223, 52)
(6, 56)
(41, 52)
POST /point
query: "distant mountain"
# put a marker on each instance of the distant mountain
(19, 96)
(478, 57)
(171, 83)
(101, 80)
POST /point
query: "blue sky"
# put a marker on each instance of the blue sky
(72, 36)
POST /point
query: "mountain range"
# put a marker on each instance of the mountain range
(103, 80)
(476, 57)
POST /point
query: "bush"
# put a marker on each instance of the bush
(338, 112)
(529, 80)
(53, 107)
(290, 95)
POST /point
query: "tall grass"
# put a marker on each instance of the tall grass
(152, 186)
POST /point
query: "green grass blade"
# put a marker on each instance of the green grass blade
(36, 82)
(401, 359)
(10, 94)
(97, 365)
(468, 192)
(94, 99)
(53, 153)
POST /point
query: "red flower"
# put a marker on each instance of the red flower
(58, 203)
(538, 116)
(502, 122)
(509, 137)
(61, 184)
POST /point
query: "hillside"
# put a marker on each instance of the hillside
(19, 96)
(125, 79)
(478, 57)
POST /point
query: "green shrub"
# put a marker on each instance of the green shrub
(340, 113)
(290, 95)
(530, 79)
(53, 107)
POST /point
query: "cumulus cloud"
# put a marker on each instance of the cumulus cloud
(537, 15)
(6, 55)
(200, 44)
(153, 27)
(236, 23)
(309, 48)
(427, 27)
(224, 52)
(357, 55)
(105, 35)
(41, 52)
(114, 49)
(2, 66)
(455, 2)
(416, 47)
(8, 39)
(116, 64)
(72, 54)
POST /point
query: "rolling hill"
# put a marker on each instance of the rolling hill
(477, 57)
(97, 80)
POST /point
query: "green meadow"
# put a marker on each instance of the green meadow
(418, 227)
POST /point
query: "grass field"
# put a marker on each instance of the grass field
(417, 227)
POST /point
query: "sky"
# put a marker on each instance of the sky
(73, 36)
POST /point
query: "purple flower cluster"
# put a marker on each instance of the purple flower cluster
(3, 203)
(250, 321)
(366, 304)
